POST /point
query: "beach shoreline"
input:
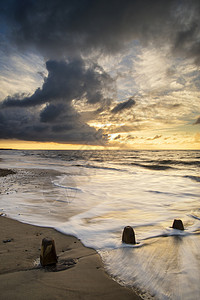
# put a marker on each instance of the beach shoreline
(22, 278)
(80, 273)
(93, 199)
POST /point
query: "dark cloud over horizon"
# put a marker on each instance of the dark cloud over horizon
(49, 114)
(30, 125)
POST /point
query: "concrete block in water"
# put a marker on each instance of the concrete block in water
(128, 235)
(48, 252)
(178, 224)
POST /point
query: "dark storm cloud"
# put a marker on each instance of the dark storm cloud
(51, 113)
(123, 106)
(26, 124)
(197, 121)
(66, 27)
(48, 114)
(187, 41)
(67, 81)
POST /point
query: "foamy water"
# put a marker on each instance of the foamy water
(94, 195)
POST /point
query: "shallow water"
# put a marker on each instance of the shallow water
(95, 194)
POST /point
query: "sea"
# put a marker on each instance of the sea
(93, 195)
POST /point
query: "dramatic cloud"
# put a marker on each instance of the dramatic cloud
(49, 114)
(72, 38)
(65, 27)
(123, 105)
(67, 81)
(26, 124)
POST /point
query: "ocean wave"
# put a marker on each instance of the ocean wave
(179, 162)
(164, 193)
(153, 167)
(67, 187)
(195, 178)
(194, 217)
(166, 164)
(98, 167)
(168, 232)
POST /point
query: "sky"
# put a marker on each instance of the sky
(112, 74)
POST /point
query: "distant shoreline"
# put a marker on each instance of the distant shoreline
(122, 149)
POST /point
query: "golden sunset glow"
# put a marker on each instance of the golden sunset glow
(26, 145)
(139, 143)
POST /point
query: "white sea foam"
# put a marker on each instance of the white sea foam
(66, 187)
(96, 203)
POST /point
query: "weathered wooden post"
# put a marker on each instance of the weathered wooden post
(178, 224)
(48, 252)
(128, 235)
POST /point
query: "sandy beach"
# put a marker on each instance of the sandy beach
(75, 203)
(83, 276)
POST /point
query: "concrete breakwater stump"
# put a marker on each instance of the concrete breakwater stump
(178, 224)
(48, 252)
(128, 235)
